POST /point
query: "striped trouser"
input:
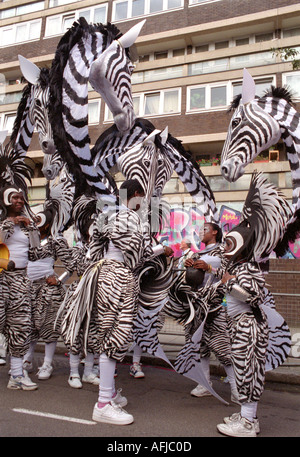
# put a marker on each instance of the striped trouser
(15, 311)
(248, 352)
(216, 338)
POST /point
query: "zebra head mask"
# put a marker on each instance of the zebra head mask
(263, 224)
(251, 131)
(38, 110)
(147, 163)
(110, 75)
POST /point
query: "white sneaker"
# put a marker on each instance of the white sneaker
(92, 378)
(28, 366)
(112, 414)
(200, 391)
(44, 372)
(2, 361)
(119, 399)
(74, 381)
(241, 427)
(136, 371)
(21, 383)
(237, 416)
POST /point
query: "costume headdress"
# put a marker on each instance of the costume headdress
(14, 172)
(57, 208)
(263, 222)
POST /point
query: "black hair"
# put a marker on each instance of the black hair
(131, 186)
(216, 227)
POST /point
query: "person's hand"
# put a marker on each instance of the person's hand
(51, 280)
(20, 220)
(189, 263)
(226, 277)
(168, 251)
(201, 265)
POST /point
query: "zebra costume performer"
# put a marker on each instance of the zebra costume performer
(21, 238)
(257, 124)
(105, 302)
(215, 331)
(48, 288)
(263, 222)
(84, 211)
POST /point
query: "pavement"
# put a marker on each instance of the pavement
(286, 376)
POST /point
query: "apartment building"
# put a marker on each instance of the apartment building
(191, 57)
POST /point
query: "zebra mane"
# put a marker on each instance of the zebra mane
(235, 103)
(23, 105)
(44, 78)
(275, 92)
(280, 92)
(266, 213)
(62, 54)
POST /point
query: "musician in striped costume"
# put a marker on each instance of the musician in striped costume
(215, 333)
(109, 290)
(21, 236)
(263, 222)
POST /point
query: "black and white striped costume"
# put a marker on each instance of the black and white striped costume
(249, 331)
(215, 333)
(48, 297)
(15, 287)
(111, 286)
(79, 264)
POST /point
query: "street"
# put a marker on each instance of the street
(160, 403)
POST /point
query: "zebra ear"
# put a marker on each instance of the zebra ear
(164, 135)
(151, 136)
(129, 37)
(248, 88)
(3, 135)
(30, 71)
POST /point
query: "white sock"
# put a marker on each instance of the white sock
(107, 378)
(137, 354)
(29, 355)
(74, 364)
(16, 366)
(205, 361)
(49, 353)
(248, 410)
(89, 363)
(231, 379)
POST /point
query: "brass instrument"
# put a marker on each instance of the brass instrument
(5, 263)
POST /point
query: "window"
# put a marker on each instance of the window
(125, 9)
(22, 9)
(10, 97)
(53, 3)
(157, 75)
(199, 2)
(56, 25)
(292, 80)
(290, 32)
(261, 85)
(207, 97)
(242, 41)
(7, 121)
(163, 102)
(94, 111)
(263, 37)
(18, 33)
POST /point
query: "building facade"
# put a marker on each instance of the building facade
(191, 57)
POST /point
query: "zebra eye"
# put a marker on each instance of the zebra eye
(38, 102)
(235, 122)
